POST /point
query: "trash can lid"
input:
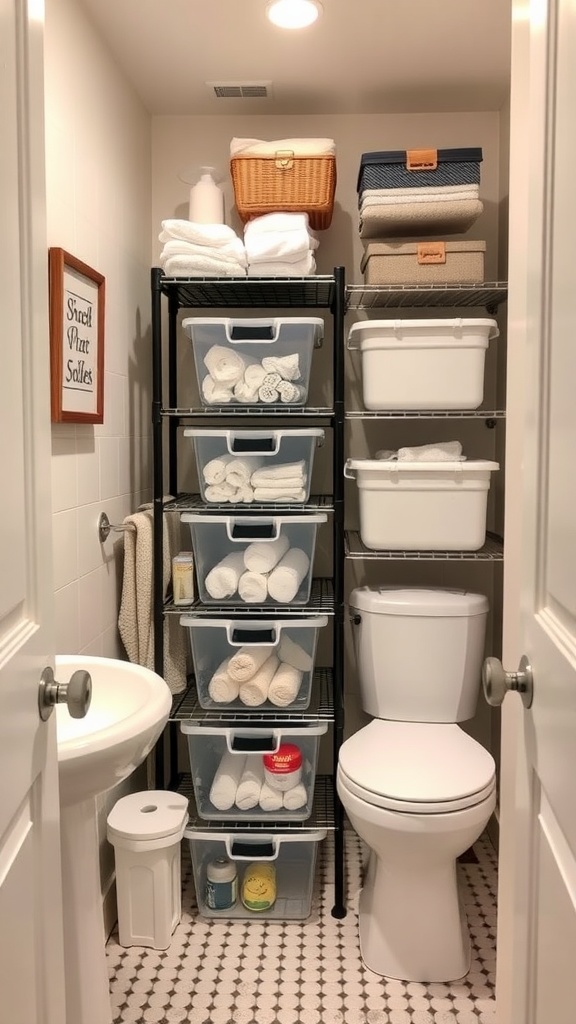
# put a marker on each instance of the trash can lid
(153, 814)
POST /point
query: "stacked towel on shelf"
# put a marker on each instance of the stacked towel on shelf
(280, 245)
(265, 569)
(239, 782)
(234, 479)
(442, 451)
(236, 377)
(255, 675)
(226, 781)
(201, 250)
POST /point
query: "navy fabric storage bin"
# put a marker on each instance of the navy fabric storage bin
(388, 169)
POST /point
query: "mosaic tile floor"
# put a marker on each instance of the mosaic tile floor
(308, 972)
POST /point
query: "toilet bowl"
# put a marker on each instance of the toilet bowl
(418, 790)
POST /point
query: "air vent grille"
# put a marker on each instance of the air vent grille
(241, 90)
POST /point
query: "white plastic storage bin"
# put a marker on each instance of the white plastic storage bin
(243, 466)
(254, 361)
(422, 364)
(292, 855)
(230, 657)
(223, 760)
(422, 506)
(253, 560)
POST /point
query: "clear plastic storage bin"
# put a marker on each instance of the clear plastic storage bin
(222, 760)
(253, 560)
(243, 466)
(229, 654)
(254, 361)
(293, 856)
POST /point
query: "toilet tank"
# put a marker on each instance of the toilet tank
(419, 652)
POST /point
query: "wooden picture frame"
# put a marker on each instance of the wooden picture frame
(76, 340)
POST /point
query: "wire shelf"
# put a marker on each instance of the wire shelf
(321, 603)
(492, 551)
(490, 295)
(322, 813)
(244, 292)
(426, 414)
(194, 503)
(242, 411)
(186, 706)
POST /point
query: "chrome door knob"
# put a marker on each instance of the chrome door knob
(496, 682)
(77, 693)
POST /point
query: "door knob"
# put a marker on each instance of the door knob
(496, 682)
(77, 693)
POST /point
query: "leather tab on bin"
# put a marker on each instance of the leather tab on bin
(284, 159)
(431, 252)
(421, 159)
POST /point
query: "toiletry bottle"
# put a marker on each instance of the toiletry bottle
(221, 884)
(183, 578)
(206, 200)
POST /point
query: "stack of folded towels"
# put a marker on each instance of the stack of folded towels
(231, 478)
(280, 245)
(201, 250)
(239, 782)
(254, 675)
(264, 570)
(233, 377)
(440, 451)
(389, 212)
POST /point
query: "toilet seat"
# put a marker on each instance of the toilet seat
(416, 767)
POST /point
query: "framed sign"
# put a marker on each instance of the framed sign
(76, 340)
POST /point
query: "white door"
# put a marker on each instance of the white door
(31, 948)
(537, 893)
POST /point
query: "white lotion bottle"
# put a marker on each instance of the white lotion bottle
(206, 200)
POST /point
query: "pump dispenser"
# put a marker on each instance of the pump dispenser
(206, 200)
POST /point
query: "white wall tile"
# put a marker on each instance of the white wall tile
(90, 551)
(88, 468)
(90, 606)
(64, 473)
(65, 548)
(66, 619)
(108, 462)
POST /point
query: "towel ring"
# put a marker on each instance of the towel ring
(105, 526)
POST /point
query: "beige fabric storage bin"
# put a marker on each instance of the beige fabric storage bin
(424, 262)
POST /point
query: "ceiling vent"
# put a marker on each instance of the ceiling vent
(241, 90)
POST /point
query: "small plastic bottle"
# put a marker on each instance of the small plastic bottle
(183, 578)
(206, 200)
(221, 884)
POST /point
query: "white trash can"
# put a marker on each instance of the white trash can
(146, 831)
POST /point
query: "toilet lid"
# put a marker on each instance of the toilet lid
(416, 767)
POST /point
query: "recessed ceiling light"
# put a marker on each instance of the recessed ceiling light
(293, 13)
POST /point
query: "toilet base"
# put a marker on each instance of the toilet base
(412, 926)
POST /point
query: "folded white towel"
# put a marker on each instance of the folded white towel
(295, 798)
(240, 470)
(288, 367)
(279, 494)
(222, 580)
(253, 587)
(222, 688)
(200, 234)
(393, 199)
(277, 224)
(298, 147)
(248, 792)
(254, 691)
(263, 555)
(270, 799)
(285, 685)
(245, 662)
(254, 375)
(293, 654)
(443, 451)
(232, 252)
(294, 472)
(304, 267)
(220, 492)
(202, 266)
(215, 393)
(245, 393)
(284, 581)
(214, 472)
(470, 191)
(224, 365)
(287, 246)
(226, 780)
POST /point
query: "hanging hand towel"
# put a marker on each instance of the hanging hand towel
(226, 781)
(284, 686)
(254, 691)
(262, 556)
(248, 792)
(284, 581)
(222, 581)
(223, 688)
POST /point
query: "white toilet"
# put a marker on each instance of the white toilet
(416, 788)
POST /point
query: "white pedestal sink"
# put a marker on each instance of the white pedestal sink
(129, 709)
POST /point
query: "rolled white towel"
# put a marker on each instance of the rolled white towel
(295, 472)
(284, 581)
(253, 587)
(291, 394)
(441, 451)
(270, 799)
(254, 691)
(220, 492)
(248, 792)
(285, 685)
(279, 494)
(224, 365)
(245, 393)
(245, 494)
(223, 688)
(215, 393)
(268, 394)
(293, 654)
(214, 471)
(295, 798)
(287, 366)
(222, 580)
(254, 375)
(226, 780)
(246, 662)
(262, 556)
(239, 471)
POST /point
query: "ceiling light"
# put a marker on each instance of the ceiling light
(293, 13)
